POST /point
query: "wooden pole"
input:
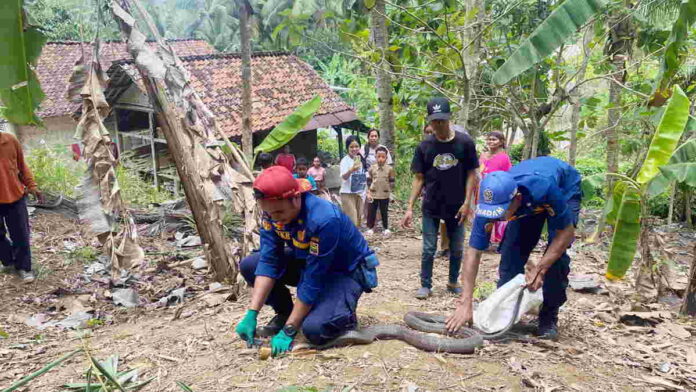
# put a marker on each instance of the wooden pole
(153, 150)
(245, 38)
(339, 138)
(689, 305)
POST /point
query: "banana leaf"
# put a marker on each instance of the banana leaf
(659, 183)
(286, 130)
(626, 233)
(666, 137)
(682, 165)
(563, 22)
(20, 46)
(676, 51)
(614, 202)
(590, 184)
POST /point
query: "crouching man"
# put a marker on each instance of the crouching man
(534, 193)
(306, 242)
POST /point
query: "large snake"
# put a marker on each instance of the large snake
(424, 334)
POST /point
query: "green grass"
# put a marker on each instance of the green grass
(54, 170)
(483, 290)
(83, 254)
(136, 191)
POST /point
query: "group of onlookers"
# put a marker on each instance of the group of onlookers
(447, 171)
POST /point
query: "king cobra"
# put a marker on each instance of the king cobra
(423, 334)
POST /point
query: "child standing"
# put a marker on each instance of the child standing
(317, 171)
(380, 185)
(301, 168)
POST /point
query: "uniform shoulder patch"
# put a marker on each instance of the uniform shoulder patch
(314, 246)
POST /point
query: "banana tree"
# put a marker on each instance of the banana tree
(626, 206)
(20, 47)
(286, 130)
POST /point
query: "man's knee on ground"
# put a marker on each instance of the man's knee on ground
(312, 329)
(247, 267)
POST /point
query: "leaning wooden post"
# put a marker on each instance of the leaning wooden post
(191, 133)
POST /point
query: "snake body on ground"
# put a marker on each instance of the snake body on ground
(424, 331)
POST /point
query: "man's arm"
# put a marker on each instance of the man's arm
(535, 273)
(259, 293)
(464, 314)
(416, 188)
(469, 197)
(25, 174)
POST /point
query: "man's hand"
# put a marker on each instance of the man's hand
(369, 197)
(463, 315)
(246, 329)
(534, 276)
(407, 219)
(465, 212)
(280, 343)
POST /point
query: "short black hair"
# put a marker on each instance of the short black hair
(301, 161)
(265, 160)
(382, 148)
(373, 130)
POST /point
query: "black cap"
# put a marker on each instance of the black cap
(439, 109)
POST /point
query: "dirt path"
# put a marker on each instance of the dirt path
(198, 348)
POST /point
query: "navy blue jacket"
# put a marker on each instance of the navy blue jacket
(322, 235)
(546, 184)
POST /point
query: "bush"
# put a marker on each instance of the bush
(136, 191)
(54, 170)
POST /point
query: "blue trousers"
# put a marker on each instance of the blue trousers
(520, 238)
(331, 315)
(14, 219)
(455, 232)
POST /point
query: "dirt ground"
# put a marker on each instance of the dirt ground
(610, 339)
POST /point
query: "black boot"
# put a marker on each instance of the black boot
(273, 327)
(548, 325)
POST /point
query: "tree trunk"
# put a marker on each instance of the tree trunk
(688, 194)
(247, 135)
(471, 54)
(689, 305)
(672, 198)
(575, 98)
(613, 117)
(380, 36)
(618, 49)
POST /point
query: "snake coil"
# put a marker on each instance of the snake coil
(427, 332)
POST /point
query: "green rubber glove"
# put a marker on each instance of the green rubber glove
(280, 343)
(247, 327)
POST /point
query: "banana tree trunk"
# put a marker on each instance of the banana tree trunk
(191, 133)
(247, 136)
(380, 35)
(689, 305)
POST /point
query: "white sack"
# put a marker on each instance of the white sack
(494, 314)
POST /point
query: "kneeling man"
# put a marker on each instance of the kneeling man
(310, 243)
(535, 192)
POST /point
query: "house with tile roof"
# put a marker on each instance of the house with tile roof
(281, 82)
(54, 68)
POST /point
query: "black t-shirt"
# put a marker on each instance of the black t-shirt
(444, 166)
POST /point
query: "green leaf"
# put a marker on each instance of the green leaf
(184, 387)
(20, 46)
(676, 49)
(614, 203)
(286, 130)
(563, 22)
(39, 372)
(108, 370)
(626, 233)
(590, 184)
(666, 137)
(682, 165)
(369, 4)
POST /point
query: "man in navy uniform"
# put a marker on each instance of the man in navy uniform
(534, 192)
(310, 243)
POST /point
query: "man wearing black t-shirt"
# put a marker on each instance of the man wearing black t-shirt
(445, 163)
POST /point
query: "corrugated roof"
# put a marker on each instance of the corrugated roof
(57, 59)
